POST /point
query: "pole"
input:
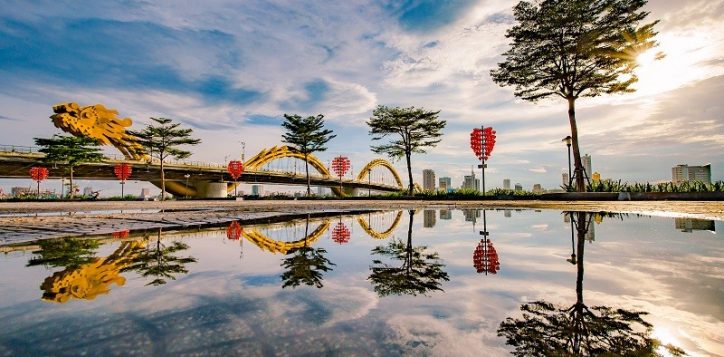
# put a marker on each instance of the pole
(482, 142)
(122, 185)
(235, 195)
(570, 178)
(369, 182)
(38, 189)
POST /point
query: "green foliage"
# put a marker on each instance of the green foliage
(65, 252)
(70, 151)
(682, 187)
(305, 266)
(413, 129)
(306, 135)
(159, 261)
(163, 141)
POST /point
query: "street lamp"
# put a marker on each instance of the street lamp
(568, 140)
(187, 181)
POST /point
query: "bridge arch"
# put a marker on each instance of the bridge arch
(364, 173)
(280, 152)
(380, 235)
(275, 246)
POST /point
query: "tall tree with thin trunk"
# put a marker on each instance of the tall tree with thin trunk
(306, 135)
(162, 141)
(417, 129)
(70, 151)
(573, 49)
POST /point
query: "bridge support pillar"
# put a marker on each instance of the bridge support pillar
(207, 189)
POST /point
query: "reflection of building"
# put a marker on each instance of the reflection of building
(689, 225)
(537, 188)
(591, 234)
(429, 218)
(470, 182)
(445, 214)
(586, 160)
(681, 173)
(471, 215)
(445, 184)
(506, 184)
(428, 180)
(507, 213)
(257, 190)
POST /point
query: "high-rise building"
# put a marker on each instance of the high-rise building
(470, 182)
(471, 215)
(518, 187)
(586, 160)
(257, 190)
(681, 173)
(537, 188)
(445, 184)
(429, 218)
(428, 180)
(506, 184)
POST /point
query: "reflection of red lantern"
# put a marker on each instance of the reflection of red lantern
(38, 173)
(485, 258)
(340, 233)
(340, 165)
(122, 172)
(120, 234)
(234, 231)
(235, 169)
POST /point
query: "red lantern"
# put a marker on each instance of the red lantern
(235, 169)
(340, 165)
(234, 231)
(38, 173)
(123, 172)
(476, 142)
(340, 233)
(485, 258)
(120, 234)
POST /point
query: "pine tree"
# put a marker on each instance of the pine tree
(306, 135)
(70, 151)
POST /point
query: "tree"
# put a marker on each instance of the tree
(417, 129)
(70, 151)
(65, 252)
(305, 265)
(573, 49)
(162, 141)
(306, 135)
(420, 271)
(579, 330)
(159, 261)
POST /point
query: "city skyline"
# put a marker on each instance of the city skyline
(232, 83)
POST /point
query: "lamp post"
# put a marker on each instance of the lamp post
(568, 140)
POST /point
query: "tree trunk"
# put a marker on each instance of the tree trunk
(578, 171)
(163, 183)
(411, 187)
(306, 168)
(71, 189)
(409, 242)
(581, 225)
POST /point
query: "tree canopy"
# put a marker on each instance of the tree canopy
(306, 135)
(70, 151)
(412, 130)
(163, 140)
(160, 261)
(572, 49)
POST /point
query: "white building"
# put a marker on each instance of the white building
(428, 180)
(506, 184)
(681, 173)
(586, 160)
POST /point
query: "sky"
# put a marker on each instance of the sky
(230, 69)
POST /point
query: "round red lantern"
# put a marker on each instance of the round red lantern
(485, 258)
(122, 172)
(38, 173)
(340, 165)
(235, 169)
(340, 233)
(234, 231)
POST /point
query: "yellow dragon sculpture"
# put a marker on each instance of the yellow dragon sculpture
(100, 123)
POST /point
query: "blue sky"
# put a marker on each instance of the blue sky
(230, 69)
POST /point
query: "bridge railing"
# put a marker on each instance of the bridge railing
(18, 149)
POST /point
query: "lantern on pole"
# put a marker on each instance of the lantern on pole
(234, 231)
(340, 165)
(38, 173)
(235, 169)
(482, 142)
(123, 172)
(340, 233)
(485, 257)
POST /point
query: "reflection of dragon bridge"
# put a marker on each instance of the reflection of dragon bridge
(274, 246)
(92, 279)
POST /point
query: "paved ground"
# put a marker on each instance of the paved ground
(27, 221)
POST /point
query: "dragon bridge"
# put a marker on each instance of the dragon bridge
(275, 246)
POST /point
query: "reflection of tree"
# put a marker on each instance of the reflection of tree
(579, 330)
(420, 271)
(65, 252)
(159, 261)
(304, 265)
